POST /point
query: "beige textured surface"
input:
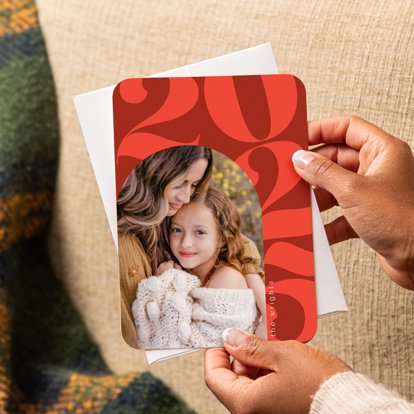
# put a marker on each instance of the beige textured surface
(352, 59)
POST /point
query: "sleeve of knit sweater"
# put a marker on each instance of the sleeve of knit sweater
(352, 393)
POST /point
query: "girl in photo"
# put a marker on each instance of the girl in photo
(203, 290)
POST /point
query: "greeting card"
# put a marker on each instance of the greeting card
(207, 197)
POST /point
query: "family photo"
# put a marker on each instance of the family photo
(190, 251)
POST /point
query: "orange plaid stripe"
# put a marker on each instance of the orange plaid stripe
(17, 16)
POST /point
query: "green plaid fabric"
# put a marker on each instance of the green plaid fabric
(48, 362)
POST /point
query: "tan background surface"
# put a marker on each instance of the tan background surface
(352, 59)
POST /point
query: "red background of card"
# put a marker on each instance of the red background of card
(258, 121)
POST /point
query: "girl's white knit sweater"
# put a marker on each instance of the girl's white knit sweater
(173, 311)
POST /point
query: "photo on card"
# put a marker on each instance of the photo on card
(207, 198)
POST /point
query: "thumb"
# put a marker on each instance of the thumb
(322, 172)
(251, 350)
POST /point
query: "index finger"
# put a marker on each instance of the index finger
(350, 130)
(219, 377)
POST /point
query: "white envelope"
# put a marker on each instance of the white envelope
(96, 119)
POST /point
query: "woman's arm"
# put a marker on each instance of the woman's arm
(134, 266)
(251, 262)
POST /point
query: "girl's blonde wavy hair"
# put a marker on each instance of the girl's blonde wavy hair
(142, 206)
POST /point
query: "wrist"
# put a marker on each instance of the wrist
(398, 260)
(399, 271)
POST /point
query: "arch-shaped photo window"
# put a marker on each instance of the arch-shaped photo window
(192, 217)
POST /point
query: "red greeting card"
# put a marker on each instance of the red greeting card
(208, 199)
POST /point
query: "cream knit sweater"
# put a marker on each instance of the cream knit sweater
(352, 393)
(173, 311)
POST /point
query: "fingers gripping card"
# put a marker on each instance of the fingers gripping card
(207, 198)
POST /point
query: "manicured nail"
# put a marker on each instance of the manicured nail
(234, 337)
(302, 158)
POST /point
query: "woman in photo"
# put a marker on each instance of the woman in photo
(191, 307)
(155, 190)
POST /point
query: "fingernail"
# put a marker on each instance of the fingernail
(234, 337)
(302, 158)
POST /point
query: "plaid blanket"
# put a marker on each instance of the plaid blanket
(48, 362)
